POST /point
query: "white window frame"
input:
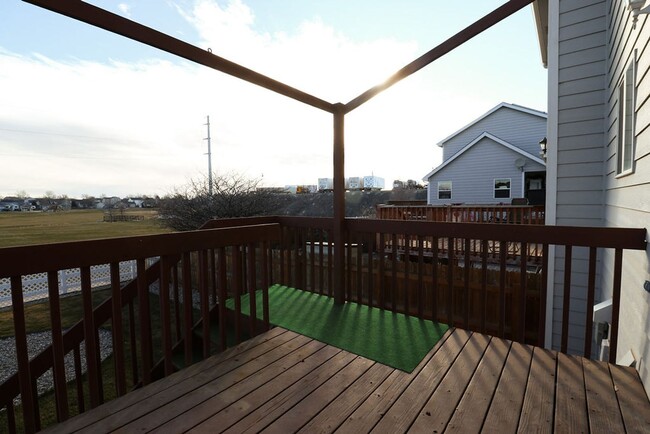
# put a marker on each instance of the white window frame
(450, 190)
(626, 141)
(494, 188)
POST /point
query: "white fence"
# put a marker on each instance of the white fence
(35, 285)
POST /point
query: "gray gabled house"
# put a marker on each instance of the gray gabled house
(598, 59)
(493, 159)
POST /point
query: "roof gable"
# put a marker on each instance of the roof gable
(474, 142)
(485, 115)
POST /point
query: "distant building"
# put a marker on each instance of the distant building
(493, 159)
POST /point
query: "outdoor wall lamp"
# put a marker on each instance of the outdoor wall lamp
(635, 6)
(542, 147)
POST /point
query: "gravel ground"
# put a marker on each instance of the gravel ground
(37, 342)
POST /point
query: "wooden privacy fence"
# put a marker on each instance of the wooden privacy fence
(155, 329)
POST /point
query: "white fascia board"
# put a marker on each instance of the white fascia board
(475, 141)
(488, 113)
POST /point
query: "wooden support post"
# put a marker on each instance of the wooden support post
(339, 204)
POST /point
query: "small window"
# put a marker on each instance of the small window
(502, 188)
(444, 190)
(625, 146)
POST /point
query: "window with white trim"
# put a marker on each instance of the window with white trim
(625, 145)
(444, 189)
(502, 188)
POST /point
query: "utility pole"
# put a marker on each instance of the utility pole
(209, 154)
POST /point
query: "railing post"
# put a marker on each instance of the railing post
(339, 204)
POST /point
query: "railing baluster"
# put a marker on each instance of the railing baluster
(11, 417)
(205, 303)
(237, 271)
(29, 402)
(177, 308)
(484, 276)
(450, 280)
(165, 315)
(591, 291)
(79, 379)
(503, 251)
(133, 344)
(321, 254)
(58, 368)
(522, 292)
(420, 292)
(330, 263)
(144, 320)
(283, 238)
(265, 285)
(566, 304)
(252, 287)
(616, 304)
(382, 285)
(92, 368)
(434, 278)
(468, 266)
(359, 273)
(117, 328)
(312, 261)
(188, 320)
(213, 277)
(393, 269)
(407, 277)
(542, 296)
(223, 295)
(371, 269)
(348, 266)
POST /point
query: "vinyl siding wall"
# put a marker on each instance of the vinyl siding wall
(627, 198)
(580, 59)
(473, 173)
(515, 127)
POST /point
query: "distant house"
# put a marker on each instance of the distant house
(493, 159)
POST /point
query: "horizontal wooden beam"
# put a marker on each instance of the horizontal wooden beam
(99, 17)
(615, 238)
(455, 41)
(17, 261)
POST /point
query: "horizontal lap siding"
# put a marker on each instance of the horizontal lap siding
(581, 129)
(627, 198)
(472, 175)
(520, 129)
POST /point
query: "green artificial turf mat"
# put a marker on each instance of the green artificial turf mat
(394, 339)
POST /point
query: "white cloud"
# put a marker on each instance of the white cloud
(125, 9)
(116, 128)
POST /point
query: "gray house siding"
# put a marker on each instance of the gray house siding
(595, 45)
(472, 174)
(529, 131)
(627, 198)
(579, 137)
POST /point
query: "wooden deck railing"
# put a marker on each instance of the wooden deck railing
(490, 278)
(512, 214)
(204, 266)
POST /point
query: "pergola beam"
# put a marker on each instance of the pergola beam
(99, 17)
(452, 43)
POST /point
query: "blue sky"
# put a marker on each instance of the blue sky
(84, 111)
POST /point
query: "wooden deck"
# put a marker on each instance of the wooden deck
(285, 382)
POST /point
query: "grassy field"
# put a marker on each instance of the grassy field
(25, 228)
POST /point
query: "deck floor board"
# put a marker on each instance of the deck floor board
(284, 382)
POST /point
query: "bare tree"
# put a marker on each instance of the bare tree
(233, 195)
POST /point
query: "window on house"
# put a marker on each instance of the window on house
(444, 189)
(502, 188)
(625, 147)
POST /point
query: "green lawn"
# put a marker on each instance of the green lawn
(25, 228)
